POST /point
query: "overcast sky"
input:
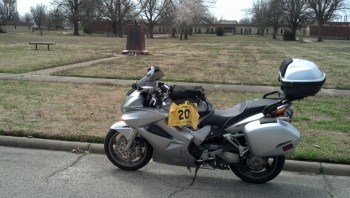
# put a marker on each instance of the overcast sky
(225, 9)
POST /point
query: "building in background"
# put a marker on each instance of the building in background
(16, 27)
(332, 30)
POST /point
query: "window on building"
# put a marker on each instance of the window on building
(160, 29)
(15, 26)
(250, 30)
(241, 30)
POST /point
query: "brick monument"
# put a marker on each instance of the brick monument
(135, 43)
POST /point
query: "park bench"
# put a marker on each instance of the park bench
(42, 43)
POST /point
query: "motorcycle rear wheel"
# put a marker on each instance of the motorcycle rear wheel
(136, 157)
(259, 170)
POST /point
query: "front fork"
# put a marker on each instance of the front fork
(129, 133)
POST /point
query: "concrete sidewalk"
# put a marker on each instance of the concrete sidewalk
(209, 87)
(33, 143)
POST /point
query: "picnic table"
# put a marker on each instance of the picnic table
(41, 43)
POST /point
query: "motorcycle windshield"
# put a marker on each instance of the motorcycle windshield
(154, 73)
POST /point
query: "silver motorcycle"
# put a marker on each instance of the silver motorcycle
(251, 138)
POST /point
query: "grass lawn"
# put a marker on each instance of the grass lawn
(250, 60)
(85, 113)
(17, 56)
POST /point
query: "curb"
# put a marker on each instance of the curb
(34, 143)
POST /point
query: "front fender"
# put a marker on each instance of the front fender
(124, 129)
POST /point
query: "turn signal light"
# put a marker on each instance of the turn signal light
(122, 120)
(280, 111)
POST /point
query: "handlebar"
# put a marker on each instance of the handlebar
(158, 95)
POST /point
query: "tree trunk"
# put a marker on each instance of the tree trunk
(173, 33)
(76, 28)
(186, 34)
(275, 30)
(294, 33)
(120, 29)
(261, 31)
(151, 26)
(75, 16)
(181, 34)
(320, 34)
(114, 27)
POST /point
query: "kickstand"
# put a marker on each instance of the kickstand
(195, 174)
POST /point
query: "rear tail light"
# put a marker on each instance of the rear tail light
(288, 147)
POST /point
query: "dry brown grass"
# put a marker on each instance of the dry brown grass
(59, 110)
(17, 56)
(251, 60)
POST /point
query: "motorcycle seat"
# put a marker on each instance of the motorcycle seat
(225, 118)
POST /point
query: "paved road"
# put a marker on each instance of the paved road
(43, 173)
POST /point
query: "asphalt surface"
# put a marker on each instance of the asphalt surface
(46, 75)
(42, 173)
(81, 147)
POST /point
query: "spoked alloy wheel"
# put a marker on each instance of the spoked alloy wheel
(136, 157)
(259, 169)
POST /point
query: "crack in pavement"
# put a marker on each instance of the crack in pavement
(65, 168)
(328, 186)
(183, 188)
(176, 191)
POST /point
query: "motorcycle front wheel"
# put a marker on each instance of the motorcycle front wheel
(259, 169)
(136, 157)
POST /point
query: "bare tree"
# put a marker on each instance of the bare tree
(275, 14)
(72, 10)
(184, 17)
(168, 18)
(90, 14)
(117, 11)
(297, 13)
(260, 14)
(55, 20)
(39, 16)
(27, 17)
(190, 12)
(8, 10)
(152, 11)
(245, 20)
(324, 10)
